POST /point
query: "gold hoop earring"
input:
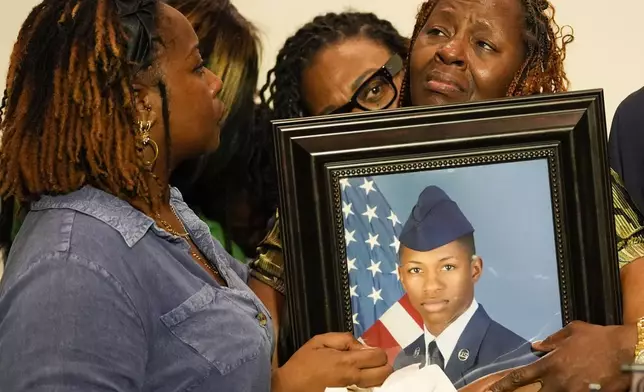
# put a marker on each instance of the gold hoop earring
(155, 147)
(144, 135)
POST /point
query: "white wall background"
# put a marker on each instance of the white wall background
(608, 51)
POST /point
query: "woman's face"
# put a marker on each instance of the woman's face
(195, 110)
(468, 50)
(337, 71)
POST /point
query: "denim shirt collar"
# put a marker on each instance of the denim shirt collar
(131, 223)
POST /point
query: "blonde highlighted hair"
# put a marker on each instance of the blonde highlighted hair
(229, 45)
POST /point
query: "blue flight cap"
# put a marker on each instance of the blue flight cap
(434, 221)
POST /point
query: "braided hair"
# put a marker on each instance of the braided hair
(543, 68)
(68, 111)
(283, 88)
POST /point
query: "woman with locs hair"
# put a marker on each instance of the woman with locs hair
(226, 187)
(113, 283)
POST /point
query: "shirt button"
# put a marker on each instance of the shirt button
(261, 317)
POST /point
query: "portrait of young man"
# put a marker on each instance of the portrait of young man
(438, 268)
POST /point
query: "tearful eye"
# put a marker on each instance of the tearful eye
(435, 32)
(485, 45)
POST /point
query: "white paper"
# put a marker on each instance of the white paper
(430, 379)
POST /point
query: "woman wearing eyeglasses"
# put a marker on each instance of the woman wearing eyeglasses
(337, 63)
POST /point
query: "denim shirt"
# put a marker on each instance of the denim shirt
(96, 297)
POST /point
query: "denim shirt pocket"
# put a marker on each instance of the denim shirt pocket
(223, 333)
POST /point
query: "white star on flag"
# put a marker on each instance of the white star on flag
(346, 209)
(352, 291)
(367, 186)
(375, 295)
(395, 244)
(373, 229)
(393, 218)
(374, 268)
(372, 241)
(370, 213)
(395, 272)
(348, 236)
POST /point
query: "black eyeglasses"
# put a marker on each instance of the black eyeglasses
(378, 92)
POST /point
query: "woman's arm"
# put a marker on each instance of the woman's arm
(267, 277)
(274, 301)
(629, 226)
(633, 290)
(484, 383)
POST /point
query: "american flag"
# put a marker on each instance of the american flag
(382, 314)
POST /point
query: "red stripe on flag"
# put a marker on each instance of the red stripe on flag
(378, 336)
(406, 304)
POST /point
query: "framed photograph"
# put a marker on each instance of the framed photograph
(470, 229)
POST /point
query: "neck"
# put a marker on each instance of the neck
(436, 330)
(158, 186)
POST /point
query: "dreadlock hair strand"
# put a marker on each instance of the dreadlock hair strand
(69, 113)
(545, 42)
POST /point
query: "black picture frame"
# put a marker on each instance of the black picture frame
(567, 128)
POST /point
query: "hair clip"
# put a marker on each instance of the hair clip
(138, 20)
